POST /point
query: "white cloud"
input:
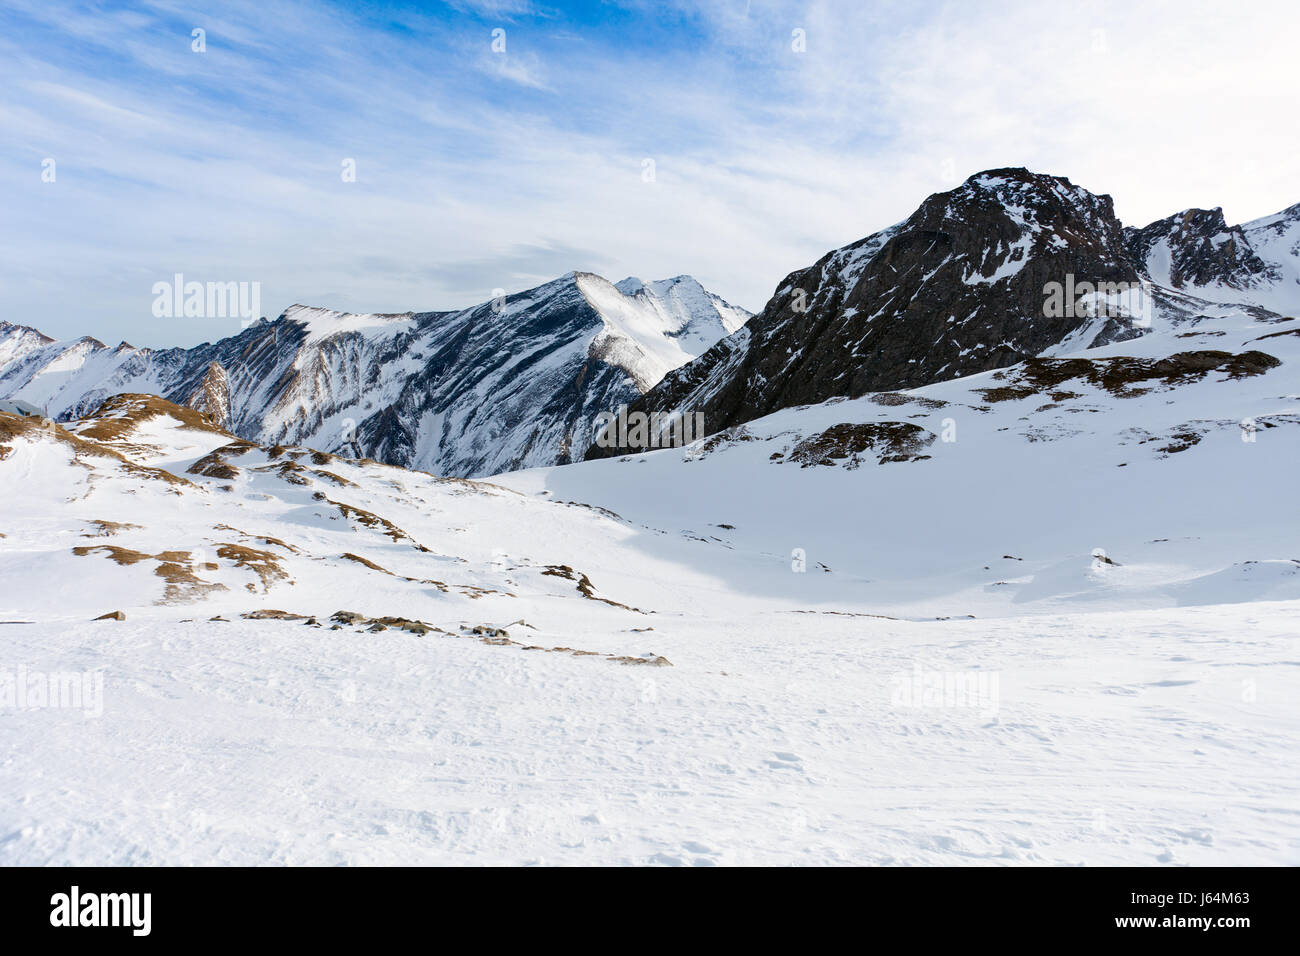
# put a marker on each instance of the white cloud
(522, 70)
(226, 165)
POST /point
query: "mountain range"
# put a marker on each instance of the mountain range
(512, 383)
(958, 288)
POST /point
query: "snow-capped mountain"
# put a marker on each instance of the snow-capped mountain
(962, 286)
(515, 382)
(1196, 251)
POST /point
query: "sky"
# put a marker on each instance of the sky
(498, 144)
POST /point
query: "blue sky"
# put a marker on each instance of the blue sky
(479, 169)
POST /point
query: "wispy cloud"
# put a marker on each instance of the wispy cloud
(526, 71)
(775, 131)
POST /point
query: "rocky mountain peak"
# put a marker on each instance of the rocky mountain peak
(980, 277)
(1196, 247)
(956, 288)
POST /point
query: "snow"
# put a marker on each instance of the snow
(325, 323)
(1274, 239)
(1120, 739)
(652, 329)
(952, 677)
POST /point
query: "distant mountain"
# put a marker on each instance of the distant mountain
(961, 287)
(512, 383)
(1196, 251)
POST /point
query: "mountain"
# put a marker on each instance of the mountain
(515, 382)
(964, 285)
(1196, 251)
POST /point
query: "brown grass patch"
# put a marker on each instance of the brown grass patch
(349, 556)
(483, 633)
(372, 520)
(264, 538)
(468, 590)
(183, 585)
(262, 563)
(337, 479)
(123, 556)
(289, 472)
(893, 399)
(1273, 335)
(118, 417)
(584, 586)
(174, 567)
(37, 429)
(215, 465)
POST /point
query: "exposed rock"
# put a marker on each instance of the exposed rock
(1122, 376)
(1202, 249)
(211, 395)
(846, 442)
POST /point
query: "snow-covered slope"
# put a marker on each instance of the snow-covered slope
(17, 342)
(510, 383)
(1175, 452)
(827, 636)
